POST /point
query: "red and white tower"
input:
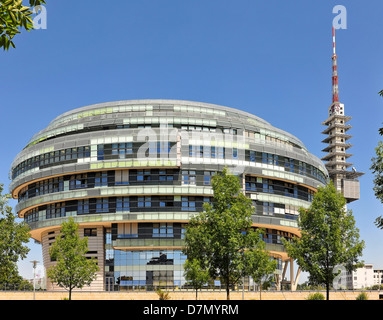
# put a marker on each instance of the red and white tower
(335, 88)
(336, 158)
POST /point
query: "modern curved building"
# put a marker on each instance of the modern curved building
(132, 173)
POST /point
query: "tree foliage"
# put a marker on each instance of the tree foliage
(195, 275)
(219, 237)
(72, 269)
(13, 17)
(328, 238)
(260, 266)
(13, 239)
(377, 169)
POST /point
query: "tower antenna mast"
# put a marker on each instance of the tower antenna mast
(335, 88)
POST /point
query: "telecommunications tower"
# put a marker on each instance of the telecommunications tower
(337, 138)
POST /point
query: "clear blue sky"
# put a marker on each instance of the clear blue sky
(270, 58)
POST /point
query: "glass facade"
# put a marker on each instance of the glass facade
(133, 173)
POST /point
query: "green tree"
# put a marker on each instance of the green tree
(72, 269)
(328, 238)
(260, 266)
(219, 236)
(13, 17)
(13, 239)
(196, 276)
(377, 169)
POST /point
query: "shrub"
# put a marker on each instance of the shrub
(163, 295)
(315, 296)
(362, 296)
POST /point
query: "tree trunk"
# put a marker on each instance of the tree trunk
(260, 290)
(227, 276)
(196, 294)
(228, 287)
(328, 276)
(70, 293)
(227, 291)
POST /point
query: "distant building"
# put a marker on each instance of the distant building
(361, 278)
(378, 277)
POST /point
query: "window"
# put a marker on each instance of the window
(269, 158)
(143, 175)
(50, 159)
(122, 150)
(101, 179)
(83, 206)
(188, 203)
(163, 147)
(235, 153)
(213, 152)
(289, 164)
(289, 190)
(229, 131)
(207, 152)
(166, 175)
(159, 147)
(122, 204)
(251, 183)
(32, 215)
(166, 201)
(207, 177)
(163, 230)
(197, 128)
(302, 168)
(144, 202)
(221, 152)
(90, 232)
(100, 152)
(68, 154)
(102, 205)
(57, 184)
(252, 156)
(195, 151)
(268, 186)
(83, 152)
(162, 175)
(78, 181)
(268, 208)
(55, 210)
(189, 177)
